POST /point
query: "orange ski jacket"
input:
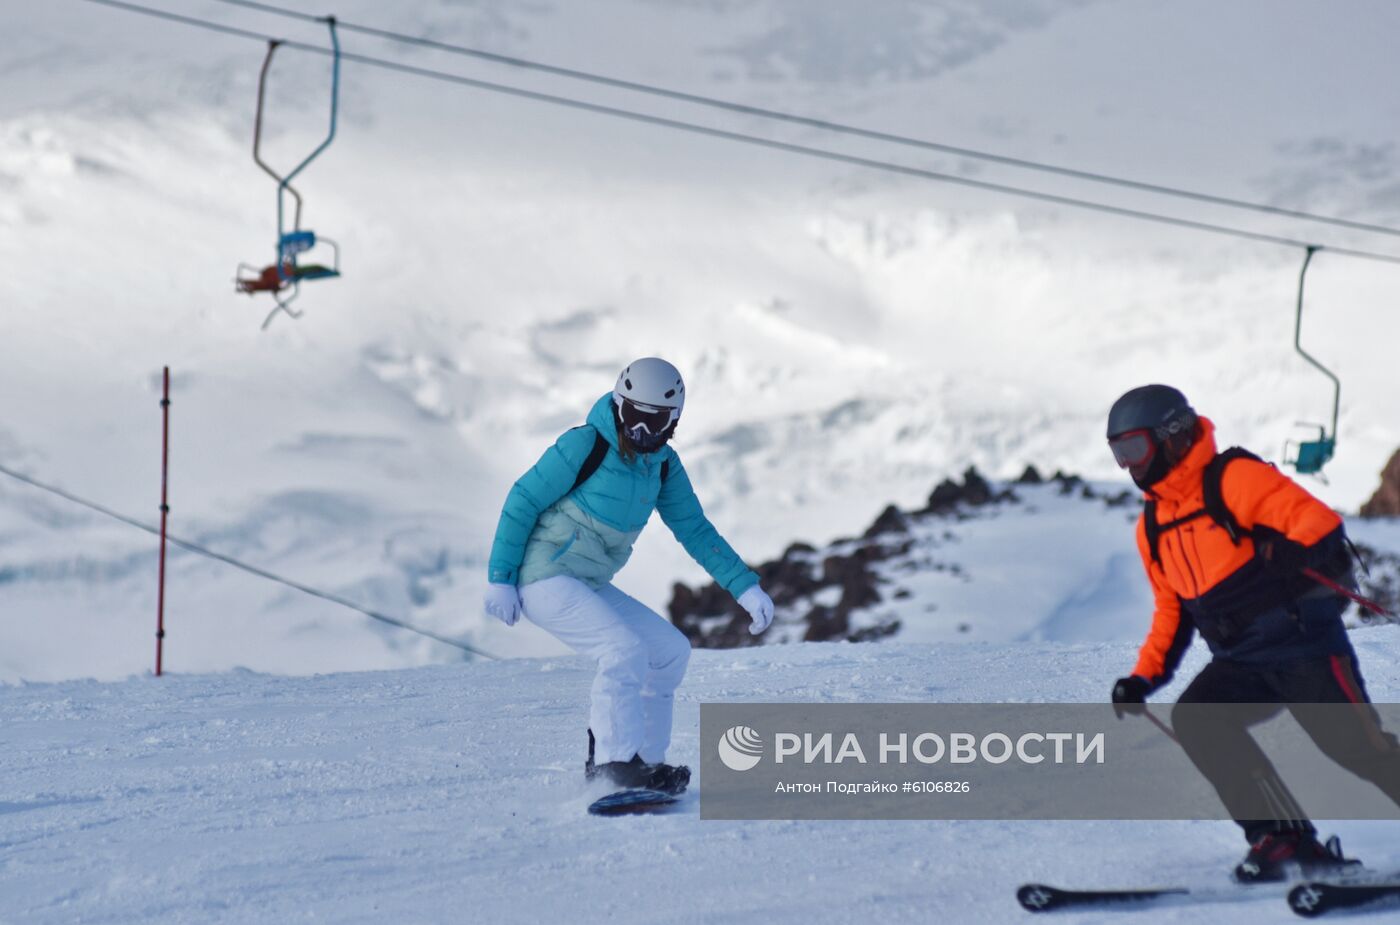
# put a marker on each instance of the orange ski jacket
(1202, 574)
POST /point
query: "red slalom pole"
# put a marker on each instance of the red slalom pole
(164, 513)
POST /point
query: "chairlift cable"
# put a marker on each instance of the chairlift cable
(826, 124)
(808, 151)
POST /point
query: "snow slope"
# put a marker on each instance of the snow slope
(455, 794)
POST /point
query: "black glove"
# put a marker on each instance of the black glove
(1282, 556)
(1130, 695)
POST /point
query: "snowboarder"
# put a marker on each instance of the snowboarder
(1226, 539)
(567, 528)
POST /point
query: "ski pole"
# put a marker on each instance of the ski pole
(1365, 602)
(1166, 730)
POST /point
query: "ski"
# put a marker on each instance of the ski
(1309, 899)
(631, 802)
(1314, 898)
(1038, 897)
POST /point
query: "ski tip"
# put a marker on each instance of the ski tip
(1036, 897)
(1304, 899)
(1314, 898)
(1311, 899)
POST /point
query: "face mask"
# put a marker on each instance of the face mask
(1152, 472)
(646, 427)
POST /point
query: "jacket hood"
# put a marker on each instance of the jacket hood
(602, 420)
(1184, 480)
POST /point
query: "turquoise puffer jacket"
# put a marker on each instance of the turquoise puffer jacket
(546, 530)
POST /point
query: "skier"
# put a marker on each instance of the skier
(567, 528)
(1225, 539)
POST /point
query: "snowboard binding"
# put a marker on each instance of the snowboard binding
(636, 774)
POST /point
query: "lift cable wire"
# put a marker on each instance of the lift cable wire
(820, 153)
(251, 569)
(823, 124)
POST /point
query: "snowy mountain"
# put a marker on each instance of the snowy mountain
(982, 562)
(840, 328)
(971, 564)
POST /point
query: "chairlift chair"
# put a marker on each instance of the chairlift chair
(1308, 457)
(284, 277)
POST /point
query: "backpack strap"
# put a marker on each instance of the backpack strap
(594, 460)
(1215, 507)
(1215, 496)
(1155, 530)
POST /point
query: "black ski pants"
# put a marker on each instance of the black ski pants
(1220, 745)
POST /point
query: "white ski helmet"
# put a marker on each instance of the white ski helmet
(648, 399)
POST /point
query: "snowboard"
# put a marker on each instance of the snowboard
(632, 802)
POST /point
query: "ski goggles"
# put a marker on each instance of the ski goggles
(651, 419)
(1132, 448)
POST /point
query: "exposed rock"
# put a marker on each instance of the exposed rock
(824, 623)
(879, 631)
(711, 618)
(973, 492)
(891, 520)
(817, 594)
(976, 491)
(1123, 498)
(1386, 501)
(788, 579)
(1031, 476)
(945, 496)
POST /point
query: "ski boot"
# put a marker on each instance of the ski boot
(1292, 853)
(636, 774)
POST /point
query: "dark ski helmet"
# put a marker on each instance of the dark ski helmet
(647, 403)
(1150, 429)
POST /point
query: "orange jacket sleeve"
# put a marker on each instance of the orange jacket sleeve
(1260, 495)
(1169, 636)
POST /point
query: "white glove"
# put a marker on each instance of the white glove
(503, 603)
(760, 608)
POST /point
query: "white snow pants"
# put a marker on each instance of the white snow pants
(641, 660)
